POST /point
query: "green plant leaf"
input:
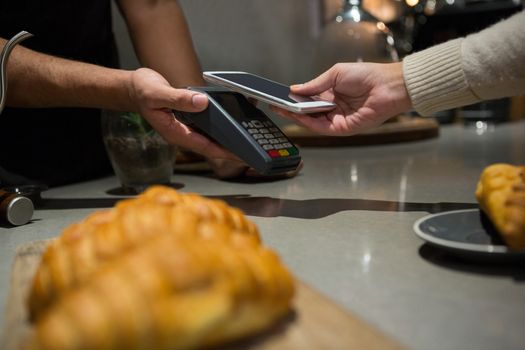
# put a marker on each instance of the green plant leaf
(139, 122)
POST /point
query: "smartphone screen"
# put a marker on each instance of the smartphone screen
(263, 85)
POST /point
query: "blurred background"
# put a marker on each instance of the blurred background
(292, 41)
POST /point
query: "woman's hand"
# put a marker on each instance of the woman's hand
(366, 94)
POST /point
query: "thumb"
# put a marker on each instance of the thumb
(317, 85)
(183, 100)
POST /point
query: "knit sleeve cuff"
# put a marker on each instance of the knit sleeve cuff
(435, 79)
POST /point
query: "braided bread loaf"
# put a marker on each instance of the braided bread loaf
(83, 247)
(163, 271)
(501, 196)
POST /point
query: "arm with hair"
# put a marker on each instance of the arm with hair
(39, 80)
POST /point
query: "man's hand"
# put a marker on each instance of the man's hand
(366, 94)
(154, 99)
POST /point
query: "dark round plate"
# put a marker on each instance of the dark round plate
(468, 233)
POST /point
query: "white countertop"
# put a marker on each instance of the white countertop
(344, 225)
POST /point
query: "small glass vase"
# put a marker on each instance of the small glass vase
(139, 155)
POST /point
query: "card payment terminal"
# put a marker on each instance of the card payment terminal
(235, 123)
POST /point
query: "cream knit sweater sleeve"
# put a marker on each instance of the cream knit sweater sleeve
(482, 66)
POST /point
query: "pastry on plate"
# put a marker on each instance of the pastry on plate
(501, 196)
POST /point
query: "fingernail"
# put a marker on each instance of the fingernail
(296, 86)
(199, 101)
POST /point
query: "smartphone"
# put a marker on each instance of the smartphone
(267, 91)
(235, 123)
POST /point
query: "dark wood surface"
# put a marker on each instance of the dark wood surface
(403, 129)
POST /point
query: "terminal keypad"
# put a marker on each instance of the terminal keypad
(271, 139)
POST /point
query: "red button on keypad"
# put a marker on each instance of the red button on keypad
(274, 154)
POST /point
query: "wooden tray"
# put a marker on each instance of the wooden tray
(315, 323)
(403, 129)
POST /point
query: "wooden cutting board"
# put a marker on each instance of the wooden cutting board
(314, 323)
(402, 129)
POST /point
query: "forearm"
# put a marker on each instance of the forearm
(162, 40)
(463, 71)
(494, 59)
(39, 80)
